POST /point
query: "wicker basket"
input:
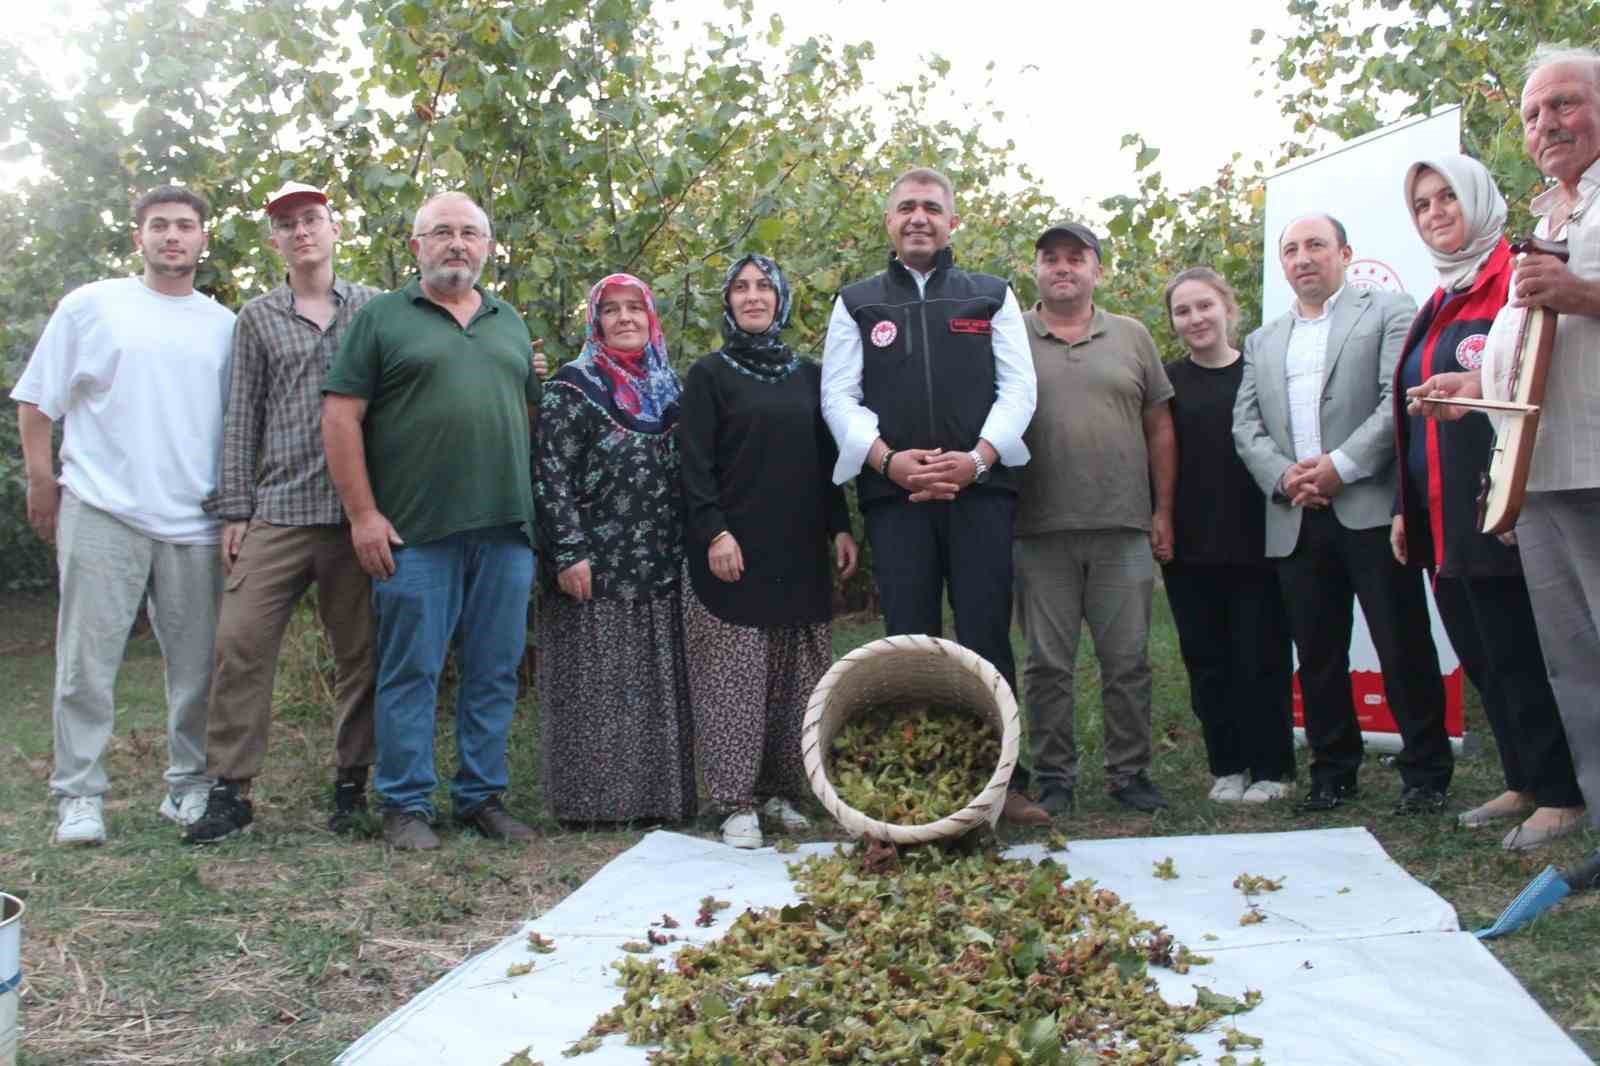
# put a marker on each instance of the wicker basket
(912, 669)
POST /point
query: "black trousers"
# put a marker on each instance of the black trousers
(1490, 622)
(1234, 636)
(1331, 568)
(920, 549)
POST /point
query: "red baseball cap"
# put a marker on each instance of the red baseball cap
(295, 192)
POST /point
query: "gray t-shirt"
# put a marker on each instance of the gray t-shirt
(1090, 466)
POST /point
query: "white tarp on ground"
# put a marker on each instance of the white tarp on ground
(1359, 963)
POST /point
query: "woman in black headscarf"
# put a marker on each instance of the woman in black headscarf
(765, 522)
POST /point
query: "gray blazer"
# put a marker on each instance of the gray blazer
(1364, 342)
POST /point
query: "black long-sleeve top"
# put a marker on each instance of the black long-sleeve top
(756, 459)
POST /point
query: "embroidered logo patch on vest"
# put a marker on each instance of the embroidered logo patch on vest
(884, 333)
(1469, 353)
(970, 325)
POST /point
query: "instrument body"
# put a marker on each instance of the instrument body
(1506, 480)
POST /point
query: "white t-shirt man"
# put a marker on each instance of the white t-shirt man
(140, 379)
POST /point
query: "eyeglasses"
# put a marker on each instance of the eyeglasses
(449, 233)
(311, 220)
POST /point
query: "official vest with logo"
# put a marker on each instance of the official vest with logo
(927, 361)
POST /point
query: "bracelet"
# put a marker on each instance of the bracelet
(883, 467)
(719, 536)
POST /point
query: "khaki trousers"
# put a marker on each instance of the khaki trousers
(276, 565)
(106, 568)
(1104, 578)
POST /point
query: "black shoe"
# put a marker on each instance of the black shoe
(1139, 793)
(1057, 799)
(226, 815)
(349, 800)
(1420, 799)
(1326, 796)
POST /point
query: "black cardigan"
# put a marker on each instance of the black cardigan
(757, 461)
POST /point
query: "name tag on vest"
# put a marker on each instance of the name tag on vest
(969, 325)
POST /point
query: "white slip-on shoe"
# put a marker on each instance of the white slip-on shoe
(186, 809)
(784, 813)
(742, 829)
(1265, 792)
(1228, 789)
(82, 821)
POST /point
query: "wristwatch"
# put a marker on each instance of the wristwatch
(979, 467)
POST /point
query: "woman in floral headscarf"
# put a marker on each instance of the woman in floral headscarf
(765, 523)
(617, 740)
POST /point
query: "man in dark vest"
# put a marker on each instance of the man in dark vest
(927, 386)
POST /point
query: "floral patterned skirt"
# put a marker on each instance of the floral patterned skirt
(616, 733)
(750, 687)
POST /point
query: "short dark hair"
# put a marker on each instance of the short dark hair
(923, 176)
(1338, 227)
(169, 194)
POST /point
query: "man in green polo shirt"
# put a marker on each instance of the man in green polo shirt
(1101, 439)
(426, 420)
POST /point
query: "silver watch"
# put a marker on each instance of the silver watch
(979, 467)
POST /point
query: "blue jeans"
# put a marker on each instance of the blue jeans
(472, 586)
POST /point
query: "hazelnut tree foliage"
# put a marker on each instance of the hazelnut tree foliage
(593, 144)
(598, 142)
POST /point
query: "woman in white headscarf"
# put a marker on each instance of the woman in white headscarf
(1478, 583)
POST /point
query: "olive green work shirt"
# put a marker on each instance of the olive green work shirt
(1091, 465)
(447, 428)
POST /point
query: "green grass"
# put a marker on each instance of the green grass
(284, 946)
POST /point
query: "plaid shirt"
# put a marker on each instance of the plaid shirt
(273, 464)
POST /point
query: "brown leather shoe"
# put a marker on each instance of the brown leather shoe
(408, 831)
(1020, 810)
(490, 819)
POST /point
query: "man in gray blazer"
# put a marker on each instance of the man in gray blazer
(1314, 424)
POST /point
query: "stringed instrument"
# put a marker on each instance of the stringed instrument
(1500, 501)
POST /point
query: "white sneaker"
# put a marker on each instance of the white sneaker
(783, 812)
(1265, 792)
(82, 821)
(186, 809)
(1228, 789)
(742, 829)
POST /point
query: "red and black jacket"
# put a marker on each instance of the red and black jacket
(1445, 536)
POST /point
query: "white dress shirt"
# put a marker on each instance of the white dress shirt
(855, 426)
(1304, 364)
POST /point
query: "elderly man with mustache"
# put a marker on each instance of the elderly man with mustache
(1558, 530)
(426, 419)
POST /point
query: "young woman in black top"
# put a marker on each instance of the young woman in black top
(1224, 594)
(766, 525)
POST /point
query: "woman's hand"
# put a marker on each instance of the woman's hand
(1397, 538)
(725, 558)
(1457, 385)
(577, 581)
(846, 554)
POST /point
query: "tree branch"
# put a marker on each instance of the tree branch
(672, 209)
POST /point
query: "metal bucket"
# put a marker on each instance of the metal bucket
(11, 909)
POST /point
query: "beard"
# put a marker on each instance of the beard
(180, 269)
(451, 278)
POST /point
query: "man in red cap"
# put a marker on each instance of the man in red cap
(284, 528)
